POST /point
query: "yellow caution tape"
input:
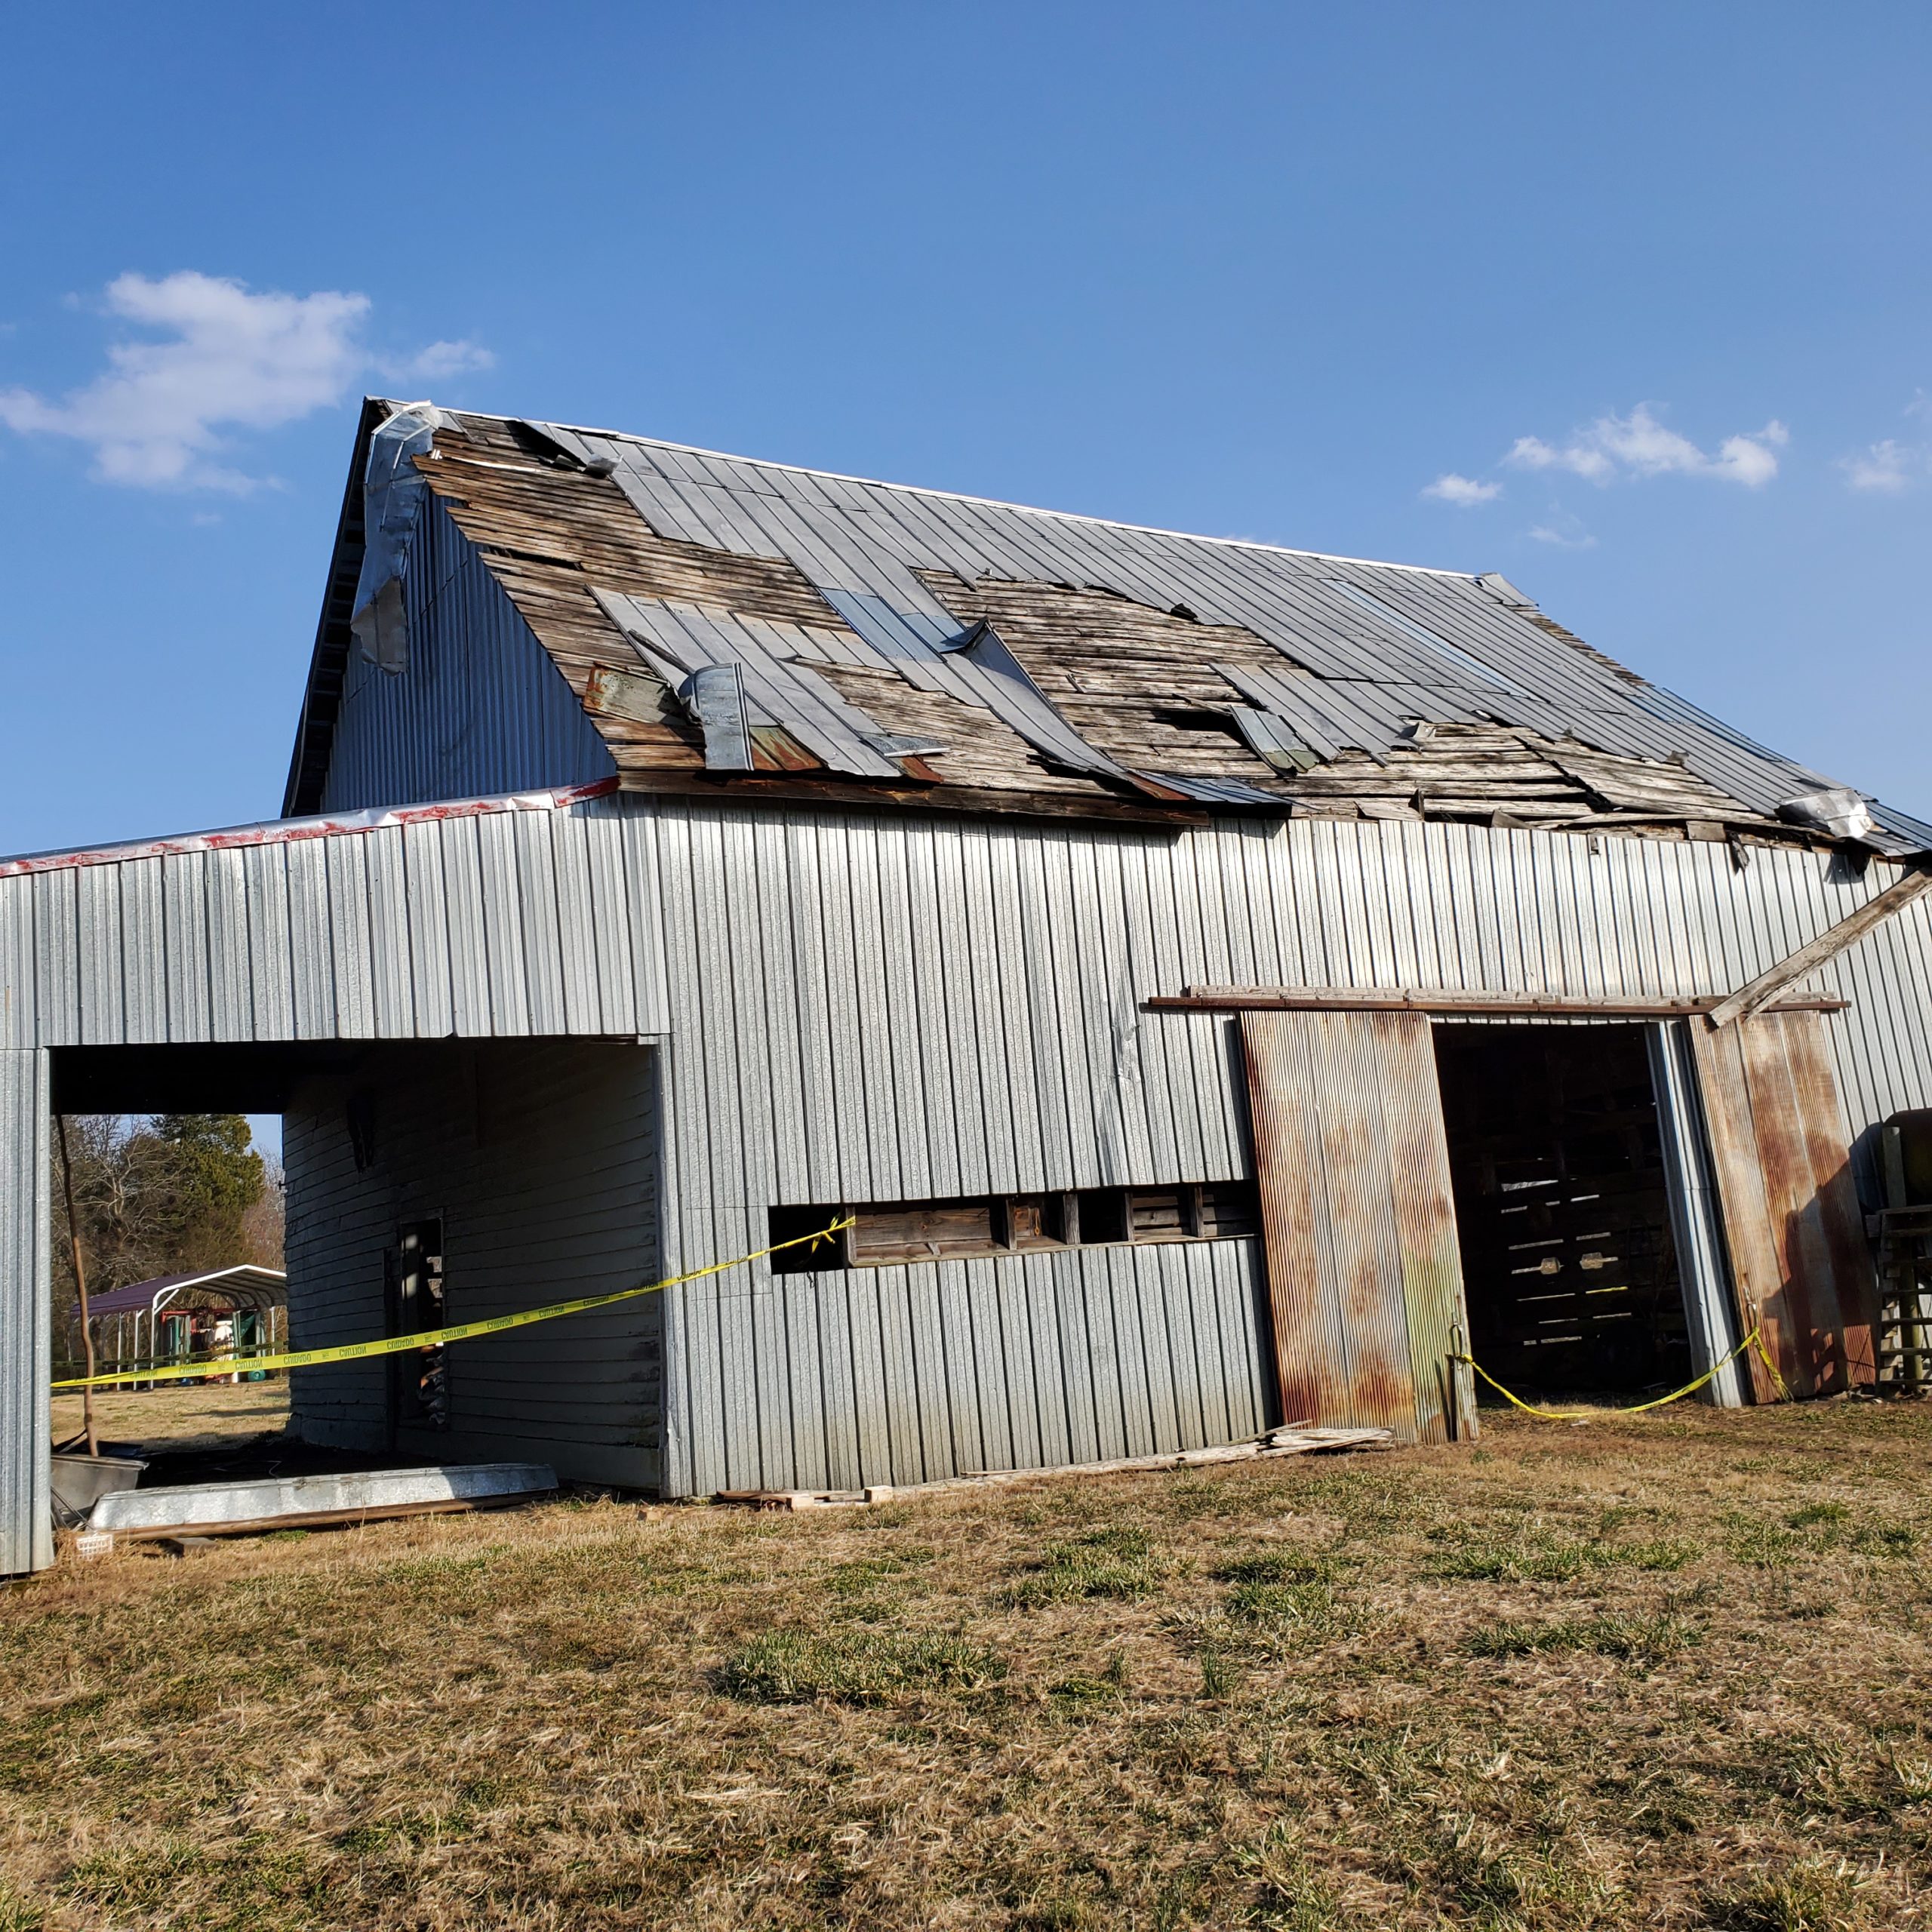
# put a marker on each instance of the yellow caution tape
(1637, 1408)
(431, 1338)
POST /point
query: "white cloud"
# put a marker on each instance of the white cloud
(228, 359)
(440, 362)
(1572, 535)
(1638, 444)
(1887, 467)
(1532, 453)
(1465, 492)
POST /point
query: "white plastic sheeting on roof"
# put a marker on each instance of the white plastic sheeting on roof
(393, 489)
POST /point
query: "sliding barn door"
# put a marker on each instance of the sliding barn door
(1359, 1221)
(1799, 1257)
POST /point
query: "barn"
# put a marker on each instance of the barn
(1219, 985)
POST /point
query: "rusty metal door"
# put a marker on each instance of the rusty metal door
(1358, 1221)
(1799, 1260)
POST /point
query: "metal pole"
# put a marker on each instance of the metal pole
(80, 1285)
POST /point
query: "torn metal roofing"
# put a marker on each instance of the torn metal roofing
(1041, 661)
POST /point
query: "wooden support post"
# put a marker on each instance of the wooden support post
(1459, 1001)
(80, 1283)
(1766, 987)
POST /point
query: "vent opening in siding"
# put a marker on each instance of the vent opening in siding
(888, 1233)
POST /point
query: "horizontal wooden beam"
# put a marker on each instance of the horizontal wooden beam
(1456, 1000)
(1761, 995)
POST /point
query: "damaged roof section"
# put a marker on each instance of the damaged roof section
(783, 632)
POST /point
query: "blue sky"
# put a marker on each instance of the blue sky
(1652, 282)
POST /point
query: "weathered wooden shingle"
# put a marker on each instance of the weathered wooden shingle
(1122, 670)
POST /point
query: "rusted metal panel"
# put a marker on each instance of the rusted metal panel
(1841, 1219)
(1310, 1365)
(1756, 1268)
(1365, 1279)
(1425, 1212)
(1799, 1263)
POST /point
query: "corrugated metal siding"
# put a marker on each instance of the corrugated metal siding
(503, 923)
(340, 1221)
(1696, 1226)
(904, 1375)
(1796, 1238)
(26, 1536)
(879, 1007)
(540, 1161)
(480, 708)
(1364, 1278)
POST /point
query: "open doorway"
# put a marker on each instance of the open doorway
(419, 1379)
(1563, 1208)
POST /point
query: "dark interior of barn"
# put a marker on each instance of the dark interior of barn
(1562, 1209)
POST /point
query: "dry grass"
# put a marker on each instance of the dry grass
(185, 1417)
(1670, 1672)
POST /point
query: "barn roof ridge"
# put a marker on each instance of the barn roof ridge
(988, 503)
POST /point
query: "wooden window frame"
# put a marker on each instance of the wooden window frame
(1207, 1210)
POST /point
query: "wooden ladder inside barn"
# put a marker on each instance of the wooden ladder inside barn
(1903, 1336)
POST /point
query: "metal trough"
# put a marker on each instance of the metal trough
(228, 1508)
(79, 1482)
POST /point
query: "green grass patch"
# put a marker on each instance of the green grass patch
(1072, 1695)
(1656, 1553)
(1119, 1563)
(1520, 1562)
(1291, 1896)
(1816, 1895)
(870, 1573)
(1278, 1566)
(1308, 1609)
(18, 1913)
(1556, 1559)
(1814, 1514)
(1892, 1540)
(861, 1666)
(1638, 1639)
(1760, 1544)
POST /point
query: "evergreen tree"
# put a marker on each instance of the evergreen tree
(213, 1177)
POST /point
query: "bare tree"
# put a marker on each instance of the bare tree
(264, 1225)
